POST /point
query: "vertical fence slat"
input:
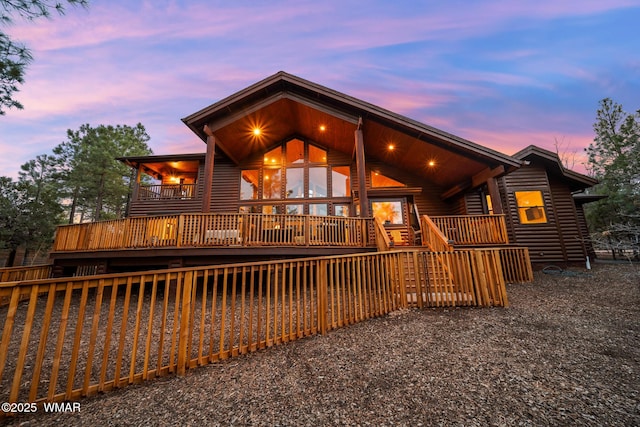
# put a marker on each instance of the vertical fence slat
(26, 333)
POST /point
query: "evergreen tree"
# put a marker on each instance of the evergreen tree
(30, 208)
(614, 159)
(14, 56)
(97, 184)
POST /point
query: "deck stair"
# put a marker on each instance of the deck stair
(430, 279)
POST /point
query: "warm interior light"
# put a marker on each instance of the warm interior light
(391, 147)
(432, 163)
(257, 131)
(323, 128)
(174, 179)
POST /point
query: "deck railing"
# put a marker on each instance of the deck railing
(432, 236)
(473, 229)
(75, 337)
(202, 230)
(32, 272)
(166, 191)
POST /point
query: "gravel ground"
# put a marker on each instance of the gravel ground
(566, 352)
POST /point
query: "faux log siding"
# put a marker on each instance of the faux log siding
(570, 235)
(225, 192)
(166, 206)
(473, 204)
(543, 240)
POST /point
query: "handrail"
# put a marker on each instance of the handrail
(383, 243)
(432, 236)
(206, 230)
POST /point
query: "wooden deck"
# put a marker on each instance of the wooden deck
(215, 230)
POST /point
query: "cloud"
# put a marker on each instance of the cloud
(500, 67)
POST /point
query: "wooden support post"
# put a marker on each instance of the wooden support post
(362, 175)
(494, 194)
(208, 170)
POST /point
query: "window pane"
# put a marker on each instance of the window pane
(388, 212)
(250, 209)
(341, 210)
(340, 181)
(294, 209)
(295, 183)
(271, 209)
(318, 182)
(530, 207)
(295, 151)
(318, 209)
(379, 180)
(271, 183)
(273, 157)
(317, 155)
(249, 185)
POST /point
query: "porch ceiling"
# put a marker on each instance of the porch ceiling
(284, 106)
(167, 164)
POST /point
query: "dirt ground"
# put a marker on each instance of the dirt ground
(566, 352)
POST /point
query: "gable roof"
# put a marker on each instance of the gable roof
(286, 105)
(552, 162)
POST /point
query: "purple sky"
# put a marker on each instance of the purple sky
(501, 73)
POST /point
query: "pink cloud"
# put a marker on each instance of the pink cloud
(571, 146)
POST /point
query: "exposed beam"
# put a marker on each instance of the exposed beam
(362, 176)
(475, 181)
(208, 170)
(494, 194)
(322, 107)
(223, 147)
(234, 117)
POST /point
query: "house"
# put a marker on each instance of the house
(546, 201)
(295, 169)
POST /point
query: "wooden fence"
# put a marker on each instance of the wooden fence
(202, 230)
(75, 337)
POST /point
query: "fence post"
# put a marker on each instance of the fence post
(321, 280)
(185, 316)
(480, 277)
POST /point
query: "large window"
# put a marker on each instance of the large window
(389, 211)
(296, 178)
(340, 181)
(249, 184)
(271, 183)
(318, 182)
(530, 207)
(295, 183)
